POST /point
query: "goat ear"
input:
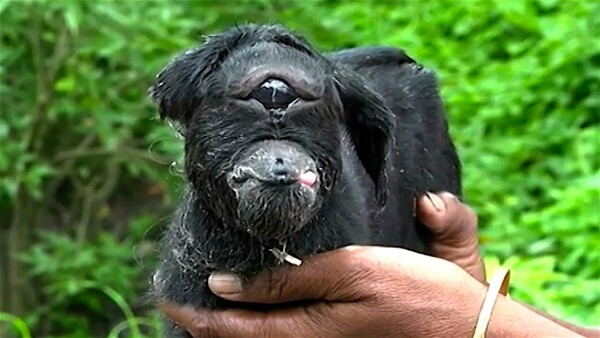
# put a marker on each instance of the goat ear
(370, 124)
(180, 86)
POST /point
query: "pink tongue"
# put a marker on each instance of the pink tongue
(307, 178)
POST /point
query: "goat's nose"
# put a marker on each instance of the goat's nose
(283, 171)
(274, 94)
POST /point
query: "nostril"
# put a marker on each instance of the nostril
(274, 94)
(281, 173)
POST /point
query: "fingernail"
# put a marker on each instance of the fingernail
(450, 195)
(225, 283)
(436, 201)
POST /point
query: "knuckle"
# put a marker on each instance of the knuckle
(353, 252)
(356, 258)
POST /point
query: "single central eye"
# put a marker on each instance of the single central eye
(274, 94)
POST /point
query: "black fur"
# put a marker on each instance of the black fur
(372, 121)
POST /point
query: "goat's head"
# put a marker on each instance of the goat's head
(262, 114)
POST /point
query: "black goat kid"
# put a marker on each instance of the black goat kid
(292, 150)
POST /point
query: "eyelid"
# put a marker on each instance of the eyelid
(304, 86)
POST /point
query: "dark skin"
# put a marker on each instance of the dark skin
(375, 291)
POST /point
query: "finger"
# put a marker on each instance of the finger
(430, 211)
(447, 217)
(454, 226)
(287, 322)
(334, 276)
(186, 317)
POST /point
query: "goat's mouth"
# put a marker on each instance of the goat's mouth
(275, 163)
(276, 186)
(279, 177)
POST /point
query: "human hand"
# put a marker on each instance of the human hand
(353, 291)
(454, 228)
(371, 291)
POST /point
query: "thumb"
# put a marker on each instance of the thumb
(451, 221)
(331, 276)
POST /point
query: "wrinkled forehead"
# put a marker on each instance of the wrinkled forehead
(270, 54)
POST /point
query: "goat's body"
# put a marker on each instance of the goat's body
(422, 155)
(421, 158)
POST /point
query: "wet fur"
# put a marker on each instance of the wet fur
(380, 138)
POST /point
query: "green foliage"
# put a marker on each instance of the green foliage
(78, 137)
(83, 276)
(18, 323)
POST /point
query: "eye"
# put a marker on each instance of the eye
(274, 94)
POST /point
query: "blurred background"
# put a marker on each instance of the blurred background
(89, 175)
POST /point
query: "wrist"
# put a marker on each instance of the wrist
(464, 306)
(511, 319)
